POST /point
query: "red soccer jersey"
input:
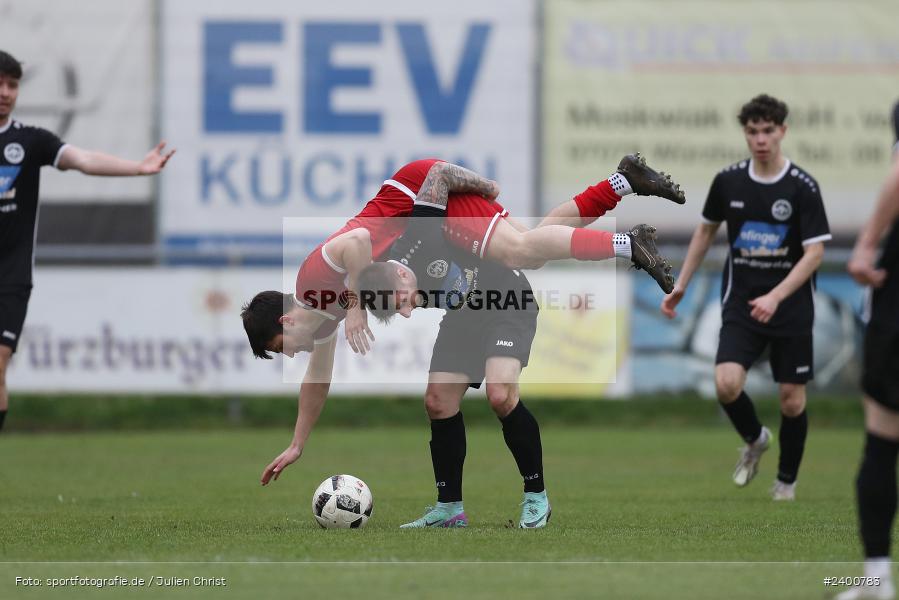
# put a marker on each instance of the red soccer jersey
(321, 283)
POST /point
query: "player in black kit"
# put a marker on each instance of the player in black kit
(876, 482)
(487, 331)
(23, 151)
(776, 227)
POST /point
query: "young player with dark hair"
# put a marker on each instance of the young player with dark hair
(776, 228)
(876, 482)
(25, 149)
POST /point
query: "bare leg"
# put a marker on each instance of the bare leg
(5, 356)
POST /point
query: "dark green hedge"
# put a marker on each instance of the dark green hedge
(84, 412)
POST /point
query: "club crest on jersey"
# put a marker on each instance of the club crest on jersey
(782, 210)
(14, 153)
(438, 268)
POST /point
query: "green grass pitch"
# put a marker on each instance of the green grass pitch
(637, 513)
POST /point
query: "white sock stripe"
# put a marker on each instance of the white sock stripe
(620, 184)
(621, 243)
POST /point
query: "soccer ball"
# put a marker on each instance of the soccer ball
(342, 502)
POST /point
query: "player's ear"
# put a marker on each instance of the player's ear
(285, 320)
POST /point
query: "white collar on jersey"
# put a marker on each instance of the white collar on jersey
(7, 126)
(773, 178)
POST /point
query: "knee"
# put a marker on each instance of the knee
(792, 400)
(436, 405)
(728, 386)
(502, 397)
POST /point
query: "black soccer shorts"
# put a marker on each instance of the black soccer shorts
(469, 337)
(13, 306)
(791, 357)
(880, 367)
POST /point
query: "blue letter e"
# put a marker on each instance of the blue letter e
(221, 76)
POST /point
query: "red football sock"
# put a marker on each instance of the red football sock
(591, 244)
(596, 200)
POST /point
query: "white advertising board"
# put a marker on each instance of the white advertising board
(304, 109)
(178, 330)
(89, 70)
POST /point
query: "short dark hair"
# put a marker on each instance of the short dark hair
(261, 319)
(764, 108)
(9, 66)
(377, 284)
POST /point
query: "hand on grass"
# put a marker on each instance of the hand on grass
(283, 460)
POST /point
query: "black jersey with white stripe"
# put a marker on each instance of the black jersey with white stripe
(451, 278)
(769, 221)
(23, 151)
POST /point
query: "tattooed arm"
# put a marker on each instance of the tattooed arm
(444, 179)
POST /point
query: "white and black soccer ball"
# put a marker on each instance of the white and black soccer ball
(342, 502)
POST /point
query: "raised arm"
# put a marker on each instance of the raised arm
(444, 179)
(91, 162)
(313, 393)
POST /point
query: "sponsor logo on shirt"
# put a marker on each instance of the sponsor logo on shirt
(14, 153)
(762, 239)
(782, 209)
(7, 179)
(736, 204)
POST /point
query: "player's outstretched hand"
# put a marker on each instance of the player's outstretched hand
(862, 267)
(357, 332)
(670, 302)
(283, 460)
(155, 160)
(763, 308)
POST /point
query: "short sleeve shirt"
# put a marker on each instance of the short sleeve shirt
(769, 222)
(23, 151)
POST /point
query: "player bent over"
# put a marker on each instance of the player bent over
(776, 227)
(306, 321)
(876, 481)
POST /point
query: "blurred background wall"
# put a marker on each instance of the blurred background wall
(285, 109)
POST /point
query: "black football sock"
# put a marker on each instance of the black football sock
(742, 414)
(792, 443)
(2, 418)
(522, 435)
(876, 492)
(448, 456)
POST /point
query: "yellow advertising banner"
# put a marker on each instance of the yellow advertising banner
(668, 79)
